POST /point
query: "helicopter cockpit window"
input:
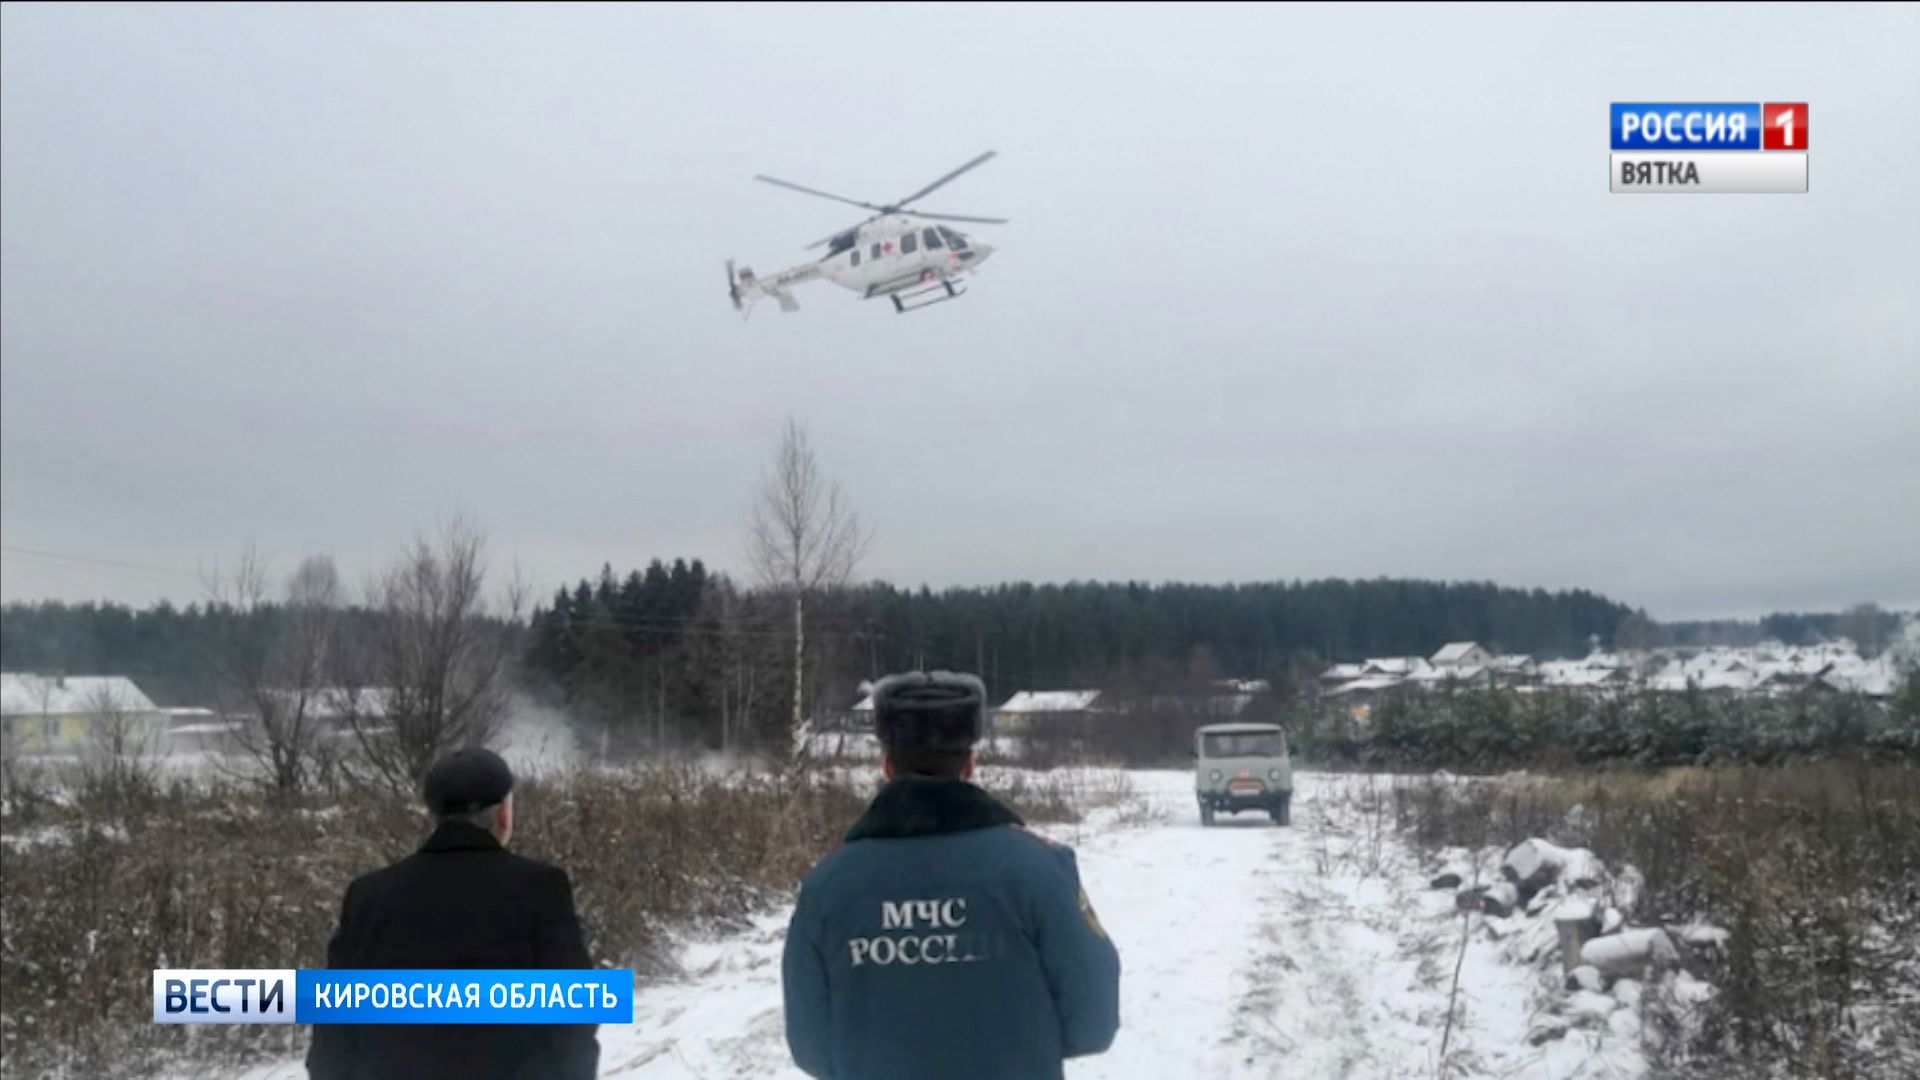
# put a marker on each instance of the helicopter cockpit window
(932, 239)
(954, 239)
(909, 244)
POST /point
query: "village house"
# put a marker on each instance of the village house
(64, 714)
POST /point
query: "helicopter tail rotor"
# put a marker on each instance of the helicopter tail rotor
(746, 290)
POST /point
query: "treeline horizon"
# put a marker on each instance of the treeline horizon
(1020, 635)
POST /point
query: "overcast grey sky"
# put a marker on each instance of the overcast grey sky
(1287, 293)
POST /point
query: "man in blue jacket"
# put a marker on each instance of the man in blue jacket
(944, 939)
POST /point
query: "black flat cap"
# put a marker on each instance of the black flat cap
(938, 710)
(467, 780)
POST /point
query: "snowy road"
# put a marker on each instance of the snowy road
(1248, 951)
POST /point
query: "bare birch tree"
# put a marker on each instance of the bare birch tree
(804, 538)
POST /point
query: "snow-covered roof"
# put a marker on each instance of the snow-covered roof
(1222, 705)
(1455, 651)
(1372, 682)
(1554, 670)
(1050, 701)
(1579, 677)
(24, 694)
(1738, 680)
(1396, 665)
(1344, 671)
(1236, 729)
(865, 704)
(1464, 672)
(1518, 662)
(368, 701)
(1876, 679)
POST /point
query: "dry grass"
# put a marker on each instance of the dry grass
(102, 886)
(1815, 870)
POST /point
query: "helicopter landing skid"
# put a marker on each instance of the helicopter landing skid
(902, 300)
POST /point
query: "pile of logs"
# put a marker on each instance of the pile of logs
(1562, 905)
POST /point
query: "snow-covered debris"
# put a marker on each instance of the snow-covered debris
(1547, 1031)
(1627, 887)
(1536, 941)
(1500, 900)
(1574, 909)
(1588, 1006)
(1587, 978)
(1706, 938)
(1534, 864)
(1631, 952)
(1689, 990)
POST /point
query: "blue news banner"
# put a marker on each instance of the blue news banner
(1686, 126)
(392, 997)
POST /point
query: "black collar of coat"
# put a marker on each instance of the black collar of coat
(925, 806)
(460, 836)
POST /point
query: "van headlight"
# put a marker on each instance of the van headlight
(1214, 775)
(1273, 774)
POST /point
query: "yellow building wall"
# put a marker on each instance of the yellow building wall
(66, 733)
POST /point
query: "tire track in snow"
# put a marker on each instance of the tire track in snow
(1183, 904)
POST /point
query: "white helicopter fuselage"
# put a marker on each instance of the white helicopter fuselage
(897, 253)
(889, 256)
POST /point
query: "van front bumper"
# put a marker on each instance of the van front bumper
(1235, 801)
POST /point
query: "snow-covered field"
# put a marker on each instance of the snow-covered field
(1248, 951)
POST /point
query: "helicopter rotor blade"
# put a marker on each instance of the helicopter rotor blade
(937, 184)
(777, 182)
(957, 217)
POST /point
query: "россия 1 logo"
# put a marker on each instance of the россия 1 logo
(1726, 148)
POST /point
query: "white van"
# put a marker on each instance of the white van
(1243, 767)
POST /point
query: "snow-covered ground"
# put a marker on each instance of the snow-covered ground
(1248, 951)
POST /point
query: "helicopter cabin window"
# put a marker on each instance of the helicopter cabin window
(954, 239)
(931, 238)
(875, 253)
(909, 244)
(856, 256)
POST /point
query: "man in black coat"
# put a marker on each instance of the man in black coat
(461, 901)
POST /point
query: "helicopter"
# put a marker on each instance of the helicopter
(897, 253)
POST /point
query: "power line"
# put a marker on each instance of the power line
(88, 560)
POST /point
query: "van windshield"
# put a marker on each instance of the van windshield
(1245, 744)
